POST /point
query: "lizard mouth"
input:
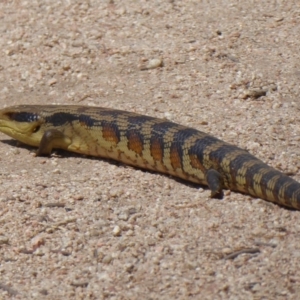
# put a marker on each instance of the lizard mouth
(20, 131)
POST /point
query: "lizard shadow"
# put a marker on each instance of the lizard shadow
(67, 154)
(59, 153)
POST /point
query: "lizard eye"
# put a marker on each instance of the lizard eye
(36, 129)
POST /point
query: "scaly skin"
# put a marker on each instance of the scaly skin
(149, 143)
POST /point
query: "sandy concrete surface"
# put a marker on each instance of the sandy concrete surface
(74, 227)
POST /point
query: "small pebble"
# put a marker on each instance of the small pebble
(78, 197)
(117, 231)
(52, 81)
(3, 240)
(79, 283)
(39, 252)
(132, 210)
(123, 216)
(107, 259)
(15, 151)
(152, 64)
(254, 93)
(37, 242)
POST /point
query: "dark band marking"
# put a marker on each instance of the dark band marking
(290, 189)
(296, 197)
(23, 117)
(222, 152)
(136, 122)
(182, 135)
(195, 163)
(176, 149)
(87, 121)
(293, 191)
(112, 113)
(201, 144)
(176, 156)
(277, 186)
(161, 129)
(158, 144)
(61, 118)
(257, 170)
(268, 176)
(237, 168)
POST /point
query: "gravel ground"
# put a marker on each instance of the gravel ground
(74, 227)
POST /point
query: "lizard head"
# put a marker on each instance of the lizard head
(23, 123)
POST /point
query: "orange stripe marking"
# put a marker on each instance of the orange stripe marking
(175, 158)
(135, 143)
(156, 150)
(109, 134)
(195, 163)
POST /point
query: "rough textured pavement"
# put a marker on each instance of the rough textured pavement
(74, 227)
